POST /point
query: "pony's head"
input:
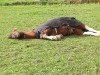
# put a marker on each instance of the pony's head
(14, 34)
(21, 35)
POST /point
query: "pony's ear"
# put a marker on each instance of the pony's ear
(15, 29)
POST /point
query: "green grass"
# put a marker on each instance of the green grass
(16, 0)
(30, 2)
(72, 55)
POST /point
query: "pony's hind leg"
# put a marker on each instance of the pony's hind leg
(91, 29)
(91, 33)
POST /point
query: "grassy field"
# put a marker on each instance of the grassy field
(72, 55)
(30, 2)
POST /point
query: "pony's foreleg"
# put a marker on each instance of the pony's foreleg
(91, 29)
(92, 33)
(55, 37)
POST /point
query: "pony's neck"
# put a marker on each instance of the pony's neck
(27, 35)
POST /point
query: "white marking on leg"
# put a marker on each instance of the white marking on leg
(59, 36)
(91, 33)
(90, 29)
(52, 37)
(56, 37)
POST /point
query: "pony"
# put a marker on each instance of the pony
(56, 29)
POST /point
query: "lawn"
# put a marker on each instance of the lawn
(73, 55)
(30, 2)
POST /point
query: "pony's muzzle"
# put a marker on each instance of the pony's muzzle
(14, 35)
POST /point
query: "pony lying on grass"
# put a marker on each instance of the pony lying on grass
(56, 29)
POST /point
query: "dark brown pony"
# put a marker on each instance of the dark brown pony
(57, 31)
